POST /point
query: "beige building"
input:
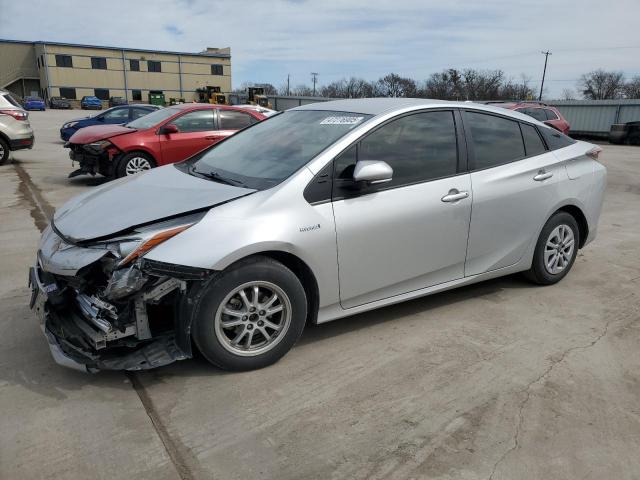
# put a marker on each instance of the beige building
(72, 71)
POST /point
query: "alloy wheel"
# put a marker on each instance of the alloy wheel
(558, 250)
(253, 318)
(137, 165)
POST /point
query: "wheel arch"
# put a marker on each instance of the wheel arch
(301, 270)
(577, 213)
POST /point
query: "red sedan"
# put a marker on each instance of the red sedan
(540, 111)
(166, 136)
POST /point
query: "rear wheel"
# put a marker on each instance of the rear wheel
(556, 250)
(134, 162)
(4, 152)
(251, 315)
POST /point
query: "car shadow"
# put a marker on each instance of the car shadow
(489, 290)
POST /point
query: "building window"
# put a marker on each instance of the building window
(101, 93)
(68, 93)
(153, 66)
(216, 69)
(98, 63)
(136, 94)
(134, 65)
(64, 61)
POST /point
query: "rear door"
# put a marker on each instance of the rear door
(196, 131)
(410, 233)
(515, 183)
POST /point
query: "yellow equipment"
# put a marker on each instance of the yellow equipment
(257, 97)
(211, 95)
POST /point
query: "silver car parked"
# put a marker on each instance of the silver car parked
(318, 213)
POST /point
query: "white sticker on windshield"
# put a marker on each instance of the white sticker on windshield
(341, 120)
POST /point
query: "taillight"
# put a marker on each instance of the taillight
(594, 152)
(17, 114)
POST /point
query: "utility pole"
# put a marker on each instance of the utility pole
(314, 79)
(288, 78)
(544, 72)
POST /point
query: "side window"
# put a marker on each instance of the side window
(551, 115)
(232, 120)
(418, 147)
(197, 121)
(495, 140)
(121, 114)
(537, 113)
(532, 141)
(138, 112)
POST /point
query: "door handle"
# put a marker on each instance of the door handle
(211, 137)
(542, 175)
(454, 195)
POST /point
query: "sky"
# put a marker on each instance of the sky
(363, 38)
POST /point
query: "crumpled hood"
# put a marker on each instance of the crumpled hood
(140, 199)
(95, 133)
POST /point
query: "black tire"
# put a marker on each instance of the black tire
(4, 152)
(538, 273)
(253, 269)
(125, 160)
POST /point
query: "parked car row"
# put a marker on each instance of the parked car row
(239, 247)
(115, 115)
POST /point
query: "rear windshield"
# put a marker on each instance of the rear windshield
(8, 98)
(555, 139)
(152, 119)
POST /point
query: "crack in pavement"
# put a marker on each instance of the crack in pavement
(42, 212)
(527, 391)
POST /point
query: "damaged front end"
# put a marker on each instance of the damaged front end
(103, 306)
(97, 157)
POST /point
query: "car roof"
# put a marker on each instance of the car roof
(213, 106)
(379, 106)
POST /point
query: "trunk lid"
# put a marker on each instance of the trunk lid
(158, 194)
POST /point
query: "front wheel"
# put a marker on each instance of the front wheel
(134, 162)
(251, 315)
(556, 250)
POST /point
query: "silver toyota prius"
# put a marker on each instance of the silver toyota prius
(318, 213)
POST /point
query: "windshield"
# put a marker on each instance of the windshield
(270, 151)
(153, 118)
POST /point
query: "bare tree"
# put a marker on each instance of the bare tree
(601, 85)
(631, 89)
(512, 90)
(393, 85)
(302, 91)
(568, 94)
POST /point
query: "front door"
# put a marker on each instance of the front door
(196, 131)
(410, 233)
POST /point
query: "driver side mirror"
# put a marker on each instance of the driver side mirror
(373, 172)
(170, 128)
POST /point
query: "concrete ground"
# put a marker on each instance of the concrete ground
(500, 380)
